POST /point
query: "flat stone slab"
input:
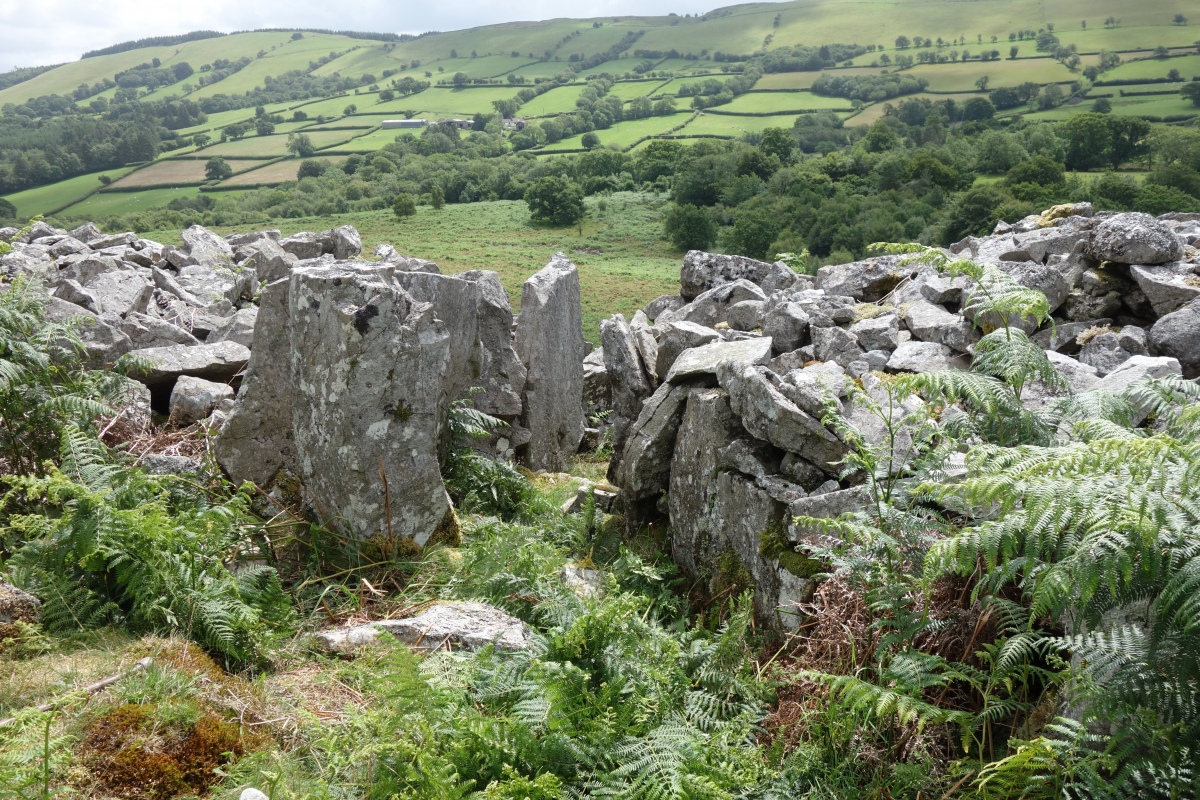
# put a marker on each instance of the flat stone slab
(214, 362)
(469, 626)
(704, 360)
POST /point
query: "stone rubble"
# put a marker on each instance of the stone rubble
(733, 438)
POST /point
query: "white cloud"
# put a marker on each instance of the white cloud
(55, 31)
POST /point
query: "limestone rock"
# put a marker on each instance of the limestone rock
(627, 379)
(502, 376)
(676, 337)
(878, 333)
(650, 445)
(746, 315)
(664, 303)
(1104, 353)
(703, 271)
(920, 357)
(1133, 238)
(193, 399)
(868, 280)
(768, 415)
(786, 323)
(218, 362)
(239, 328)
(932, 323)
(470, 626)
(835, 344)
(1167, 287)
(706, 360)
(256, 440)
(1178, 334)
(366, 418)
(205, 248)
(149, 331)
(549, 342)
(17, 606)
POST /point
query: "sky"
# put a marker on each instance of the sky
(55, 31)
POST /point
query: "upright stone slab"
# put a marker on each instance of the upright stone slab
(256, 440)
(628, 381)
(708, 425)
(364, 356)
(502, 376)
(342, 399)
(550, 343)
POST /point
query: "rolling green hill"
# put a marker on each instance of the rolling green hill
(656, 57)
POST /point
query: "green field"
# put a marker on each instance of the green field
(627, 90)
(556, 101)
(107, 204)
(272, 146)
(775, 102)
(44, 199)
(797, 80)
(622, 258)
(370, 142)
(443, 101)
(723, 125)
(961, 76)
(180, 172)
(1150, 68)
(624, 134)
(277, 172)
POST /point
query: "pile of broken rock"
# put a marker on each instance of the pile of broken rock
(717, 393)
(329, 379)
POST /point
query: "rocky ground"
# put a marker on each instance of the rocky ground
(329, 379)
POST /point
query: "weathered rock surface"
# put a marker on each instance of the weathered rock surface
(706, 359)
(1178, 335)
(704, 271)
(1133, 238)
(470, 626)
(17, 606)
(193, 399)
(217, 362)
(549, 342)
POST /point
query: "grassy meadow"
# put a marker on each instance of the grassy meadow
(623, 260)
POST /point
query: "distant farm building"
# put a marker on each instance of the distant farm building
(517, 124)
(461, 124)
(392, 124)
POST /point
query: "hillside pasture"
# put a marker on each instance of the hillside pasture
(272, 146)
(623, 134)
(444, 101)
(44, 199)
(560, 100)
(732, 126)
(179, 172)
(278, 172)
(627, 90)
(373, 140)
(1152, 68)
(291, 55)
(108, 204)
(798, 80)
(783, 102)
(961, 76)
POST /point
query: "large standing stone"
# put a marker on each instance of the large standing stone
(256, 440)
(708, 425)
(364, 357)
(550, 344)
(627, 379)
(501, 373)
(770, 416)
(646, 463)
(1133, 238)
(703, 271)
